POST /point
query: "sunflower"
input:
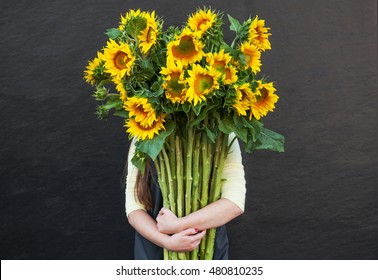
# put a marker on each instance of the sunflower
(186, 47)
(128, 16)
(148, 36)
(141, 110)
(201, 21)
(174, 82)
(201, 83)
(258, 34)
(92, 69)
(265, 100)
(141, 132)
(220, 62)
(244, 99)
(252, 56)
(118, 58)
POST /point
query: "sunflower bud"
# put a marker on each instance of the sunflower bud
(102, 113)
(101, 93)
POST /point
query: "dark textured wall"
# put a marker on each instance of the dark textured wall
(60, 168)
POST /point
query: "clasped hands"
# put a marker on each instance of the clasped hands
(182, 239)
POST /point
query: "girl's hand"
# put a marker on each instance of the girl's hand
(184, 241)
(167, 222)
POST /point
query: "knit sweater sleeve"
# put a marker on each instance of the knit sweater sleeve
(234, 184)
(131, 201)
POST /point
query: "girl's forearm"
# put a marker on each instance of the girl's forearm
(146, 226)
(213, 215)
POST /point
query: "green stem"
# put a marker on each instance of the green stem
(188, 169)
(180, 177)
(206, 158)
(206, 166)
(162, 177)
(221, 151)
(171, 192)
(197, 168)
(197, 172)
(172, 157)
(179, 184)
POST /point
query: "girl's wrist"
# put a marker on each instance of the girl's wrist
(181, 224)
(166, 242)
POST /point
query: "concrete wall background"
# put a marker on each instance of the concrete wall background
(60, 168)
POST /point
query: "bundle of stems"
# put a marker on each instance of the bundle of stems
(189, 170)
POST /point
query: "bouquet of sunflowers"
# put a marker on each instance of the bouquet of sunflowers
(182, 91)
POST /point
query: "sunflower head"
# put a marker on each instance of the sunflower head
(202, 20)
(259, 34)
(94, 72)
(119, 59)
(186, 47)
(265, 100)
(174, 82)
(221, 62)
(141, 110)
(244, 99)
(201, 83)
(143, 132)
(148, 36)
(252, 56)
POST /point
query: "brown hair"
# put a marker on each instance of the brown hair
(143, 188)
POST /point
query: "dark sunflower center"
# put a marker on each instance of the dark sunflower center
(121, 59)
(174, 85)
(186, 48)
(146, 128)
(248, 57)
(263, 96)
(148, 37)
(203, 83)
(220, 66)
(139, 110)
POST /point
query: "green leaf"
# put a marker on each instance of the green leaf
(211, 134)
(250, 145)
(198, 107)
(227, 125)
(235, 24)
(135, 25)
(238, 121)
(186, 107)
(113, 33)
(148, 67)
(156, 86)
(270, 140)
(254, 127)
(139, 160)
(152, 147)
(242, 59)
